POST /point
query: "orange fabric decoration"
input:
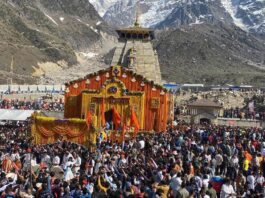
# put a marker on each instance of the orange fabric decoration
(116, 118)
(134, 122)
(103, 119)
(88, 119)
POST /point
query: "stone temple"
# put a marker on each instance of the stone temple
(135, 51)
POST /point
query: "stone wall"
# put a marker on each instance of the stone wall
(240, 123)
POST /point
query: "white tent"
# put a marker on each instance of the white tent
(3, 88)
(33, 88)
(24, 88)
(57, 88)
(49, 87)
(14, 88)
(41, 88)
(15, 115)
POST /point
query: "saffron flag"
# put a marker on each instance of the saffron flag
(135, 123)
(103, 119)
(123, 133)
(116, 118)
(88, 119)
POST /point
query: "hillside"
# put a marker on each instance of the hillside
(41, 32)
(212, 54)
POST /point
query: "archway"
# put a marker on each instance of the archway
(205, 121)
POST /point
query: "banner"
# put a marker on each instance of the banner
(135, 123)
(103, 119)
(116, 118)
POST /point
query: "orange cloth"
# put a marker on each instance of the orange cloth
(134, 122)
(248, 156)
(7, 165)
(88, 119)
(116, 118)
(103, 119)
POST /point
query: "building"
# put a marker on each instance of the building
(204, 110)
(135, 52)
(120, 88)
(131, 86)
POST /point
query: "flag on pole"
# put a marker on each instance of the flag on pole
(116, 118)
(103, 119)
(88, 119)
(135, 123)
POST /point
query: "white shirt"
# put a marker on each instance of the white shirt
(66, 158)
(142, 144)
(175, 183)
(251, 182)
(226, 191)
(14, 156)
(56, 160)
(78, 161)
(260, 180)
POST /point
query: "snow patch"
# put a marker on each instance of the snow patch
(99, 22)
(88, 54)
(50, 18)
(227, 4)
(61, 19)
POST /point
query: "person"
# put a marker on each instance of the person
(211, 191)
(227, 190)
(68, 170)
(251, 182)
(182, 191)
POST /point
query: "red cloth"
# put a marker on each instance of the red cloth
(103, 119)
(135, 123)
(116, 118)
(88, 119)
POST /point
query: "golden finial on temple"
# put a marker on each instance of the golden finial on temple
(137, 17)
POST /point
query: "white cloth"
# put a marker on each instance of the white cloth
(66, 158)
(260, 180)
(226, 191)
(56, 160)
(68, 173)
(46, 159)
(14, 157)
(251, 182)
(142, 144)
(77, 165)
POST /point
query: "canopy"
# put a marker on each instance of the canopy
(15, 115)
(4, 88)
(24, 88)
(14, 88)
(57, 88)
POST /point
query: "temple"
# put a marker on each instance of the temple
(135, 52)
(125, 98)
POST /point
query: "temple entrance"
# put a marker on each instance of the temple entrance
(108, 118)
(205, 121)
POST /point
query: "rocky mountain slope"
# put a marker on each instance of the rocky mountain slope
(212, 54)
(46, 35)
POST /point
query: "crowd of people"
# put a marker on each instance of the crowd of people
(189, 161)
(38, 104)
(243, 114)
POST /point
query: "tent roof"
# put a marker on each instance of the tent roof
(15, 115)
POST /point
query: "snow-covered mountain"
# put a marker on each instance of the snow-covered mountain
(249, 15)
